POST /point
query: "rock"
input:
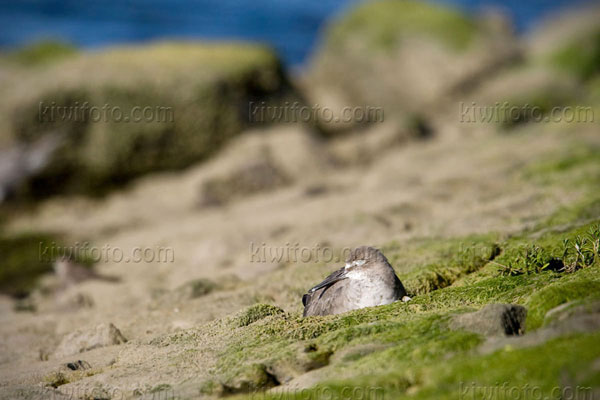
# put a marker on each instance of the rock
(367, 145)
(84, 340)
(197, 98)
(255, 313)
(19, 163)
(562, 320)
(257, 176)
(74, 301)
(196, 288)
(403, 56)
(262, 161)
(254, 378)
(493, 320)
(569, 42)
(518, 95)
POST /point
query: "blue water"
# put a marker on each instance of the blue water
(291, 26)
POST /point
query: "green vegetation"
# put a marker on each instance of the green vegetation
(383, 24)
(543, 101)
(576, 165)
(22, 263)
(442, 261)
(26, 257)
(581, 57)
(256, 313)
(42, 53)
(126, 112)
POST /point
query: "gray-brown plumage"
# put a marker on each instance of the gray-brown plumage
(70, 273)
(366, 280)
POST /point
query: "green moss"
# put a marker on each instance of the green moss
(535, 106)
(28, 256)
(43, 52)
(383, 24)
(578, 164)
(196, 94)
(581, 57)
(438, 263)
(23, 262)
(585, 285)
(255, 313)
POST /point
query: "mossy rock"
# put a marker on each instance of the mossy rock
(255, 313)
(580, 58)
(26, 256)
(42, 52)
(570, 44)
(402, 56)
(124, 112)
(250, 380)
(383, 23)
(22, 262)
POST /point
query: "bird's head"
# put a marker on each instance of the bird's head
(364, 256)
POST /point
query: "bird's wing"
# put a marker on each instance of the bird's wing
(326, 301)
(314, 302)
(330, 280)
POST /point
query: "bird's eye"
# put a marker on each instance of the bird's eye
(358, 263)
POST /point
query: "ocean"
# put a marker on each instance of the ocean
(292, 27)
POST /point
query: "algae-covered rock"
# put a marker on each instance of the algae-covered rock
(525, 93)
(42, 52)
(127, 111)
(402, 55)
(569, 42)
(252, 379)
(23, 261)
(493, 320)
(255, 313)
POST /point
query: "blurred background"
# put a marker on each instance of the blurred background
(174, 175)
(291, 27)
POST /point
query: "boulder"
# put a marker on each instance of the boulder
(84, 340)
(569, 42)
(124, 112)
(493, 320)
(566, 319)
(262, 161)
(404, 56)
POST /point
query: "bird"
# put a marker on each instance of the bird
(367, 280)
(70, 273)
